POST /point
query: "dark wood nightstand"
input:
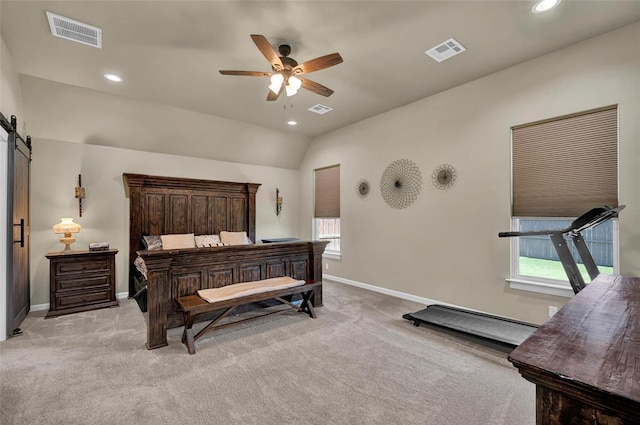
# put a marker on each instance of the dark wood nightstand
(81, 281)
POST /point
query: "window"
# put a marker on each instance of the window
(329, 229)
(536, 260)
(326, 225)
(561, 168)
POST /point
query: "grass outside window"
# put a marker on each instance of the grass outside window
(550, 269)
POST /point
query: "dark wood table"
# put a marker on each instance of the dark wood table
(585, 361)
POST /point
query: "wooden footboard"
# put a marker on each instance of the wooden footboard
(176, 273)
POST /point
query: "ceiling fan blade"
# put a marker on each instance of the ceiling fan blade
(315, 87)
(246, 73)
(267, 50)
(317, 64)
(274, 96)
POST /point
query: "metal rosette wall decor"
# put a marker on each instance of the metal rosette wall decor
(401, 183)
(363, 188)
(444, 177)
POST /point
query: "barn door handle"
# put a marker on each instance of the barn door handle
(21, 241)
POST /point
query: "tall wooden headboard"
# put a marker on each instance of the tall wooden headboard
(167, 205)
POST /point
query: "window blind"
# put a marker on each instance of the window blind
(327, 195)
(565, 166)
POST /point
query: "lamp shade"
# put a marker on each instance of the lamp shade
(66, 225)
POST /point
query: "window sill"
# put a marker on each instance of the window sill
(549, 288)
(332, 255)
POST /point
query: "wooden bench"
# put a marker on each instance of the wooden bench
(193, 306)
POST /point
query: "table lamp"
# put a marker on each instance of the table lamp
(66, 227)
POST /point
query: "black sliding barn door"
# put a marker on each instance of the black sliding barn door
(19, 181)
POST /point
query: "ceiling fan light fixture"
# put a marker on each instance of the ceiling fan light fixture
(293, 85)
(290, 91)
(276, 83)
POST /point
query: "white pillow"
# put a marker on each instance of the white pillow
(234, 238)
(207, 240)
(185, 240)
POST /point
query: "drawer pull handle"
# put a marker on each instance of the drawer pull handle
(84, 267)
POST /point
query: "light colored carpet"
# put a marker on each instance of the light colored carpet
(359, 362)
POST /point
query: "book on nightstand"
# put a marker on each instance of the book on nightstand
(99, 246)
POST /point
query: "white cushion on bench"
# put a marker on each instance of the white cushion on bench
(248, 288)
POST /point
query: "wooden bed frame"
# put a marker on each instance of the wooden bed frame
(168, 205)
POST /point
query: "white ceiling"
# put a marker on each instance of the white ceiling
(169, 52)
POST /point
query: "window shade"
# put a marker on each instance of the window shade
(327, 192)
(565, 166)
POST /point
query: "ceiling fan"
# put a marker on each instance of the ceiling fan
(286, 72)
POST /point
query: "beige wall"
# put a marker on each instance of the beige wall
(54, 175)
(63, 112)
(10, 93)
(445, 246)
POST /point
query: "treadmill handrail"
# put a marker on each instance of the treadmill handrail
(530, 233)
(591, 218)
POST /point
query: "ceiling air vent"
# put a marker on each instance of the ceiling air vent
(74, 30)
(320, 109)
(445, 50)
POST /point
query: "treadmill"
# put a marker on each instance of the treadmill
(507, 332)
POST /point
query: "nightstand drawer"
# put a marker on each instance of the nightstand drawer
(67, 267)
(82, 299)
(83, 283)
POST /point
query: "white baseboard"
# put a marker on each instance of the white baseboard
(40, 307)
(393, 293)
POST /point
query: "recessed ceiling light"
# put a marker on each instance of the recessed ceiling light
(544, 5)
(113, 77)
(292, 122)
